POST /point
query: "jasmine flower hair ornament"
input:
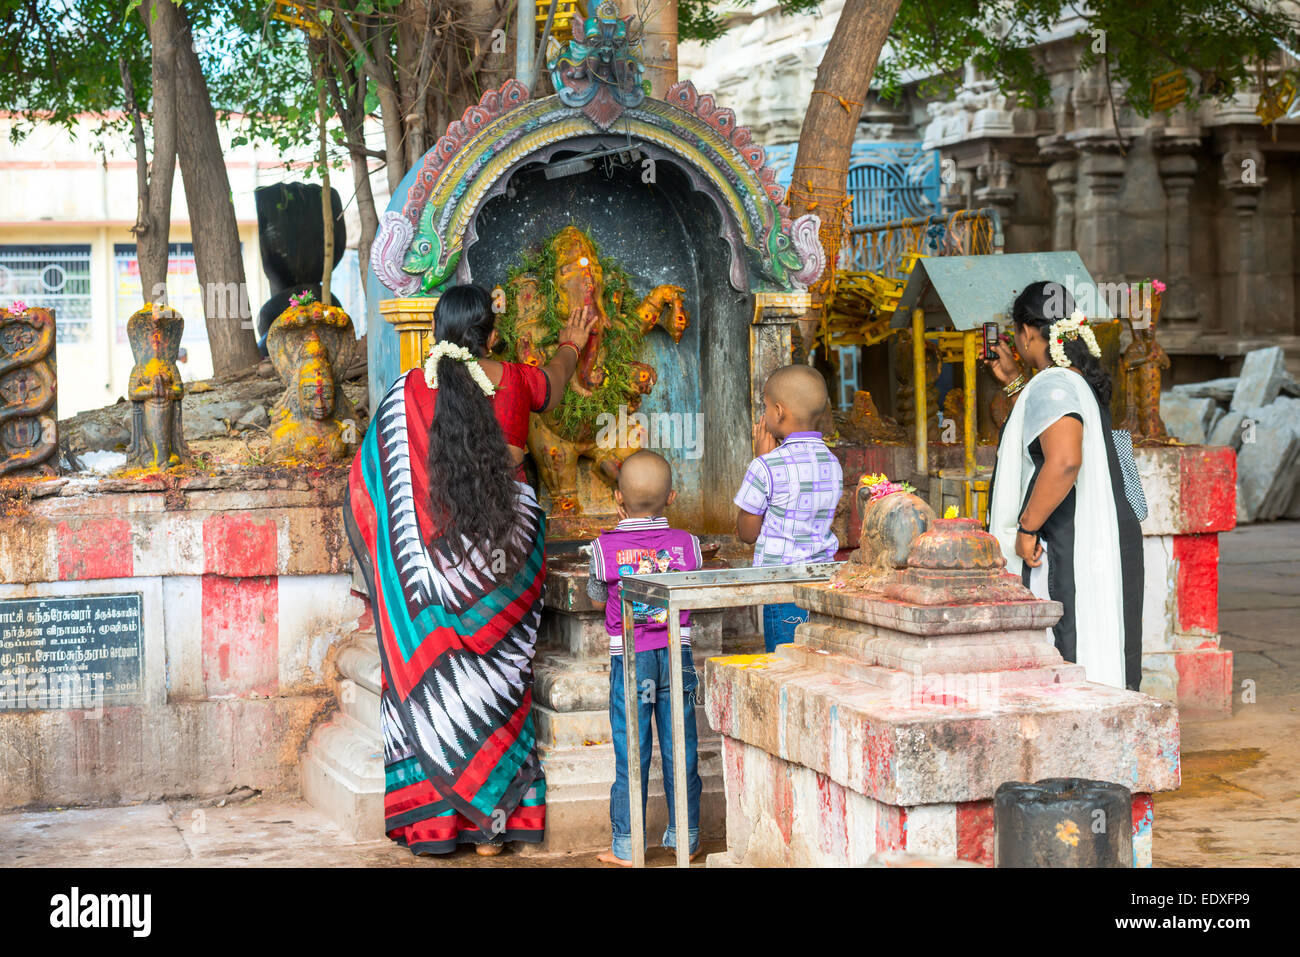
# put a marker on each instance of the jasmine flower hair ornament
(450, 350)
(1074, 327)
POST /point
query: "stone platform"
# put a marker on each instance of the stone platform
(1191, 497)
(889, 724)
(244, 596)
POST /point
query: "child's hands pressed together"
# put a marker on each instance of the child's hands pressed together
(764, 441)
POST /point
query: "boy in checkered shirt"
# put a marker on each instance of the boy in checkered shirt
(787, 500)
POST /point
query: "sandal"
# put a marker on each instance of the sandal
(488, 850)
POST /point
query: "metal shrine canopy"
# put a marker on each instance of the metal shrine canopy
(964, 292)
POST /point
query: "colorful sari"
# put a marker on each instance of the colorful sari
(456, 639)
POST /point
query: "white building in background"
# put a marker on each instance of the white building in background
(764, 67)
(65, 243)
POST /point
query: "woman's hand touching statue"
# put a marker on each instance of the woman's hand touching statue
(579, 326)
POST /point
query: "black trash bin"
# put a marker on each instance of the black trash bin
(1063, 822)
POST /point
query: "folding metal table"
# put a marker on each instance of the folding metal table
(685, 591)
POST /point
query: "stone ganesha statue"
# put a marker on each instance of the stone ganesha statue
(606, 376)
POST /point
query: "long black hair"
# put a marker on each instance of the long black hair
(472, 488)
(1042, 304)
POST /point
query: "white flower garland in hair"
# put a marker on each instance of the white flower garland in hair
(450, 350)
(1074, 327)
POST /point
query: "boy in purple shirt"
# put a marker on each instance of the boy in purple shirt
(787, 500)
(642, 543)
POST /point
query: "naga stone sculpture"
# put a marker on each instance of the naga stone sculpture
(1141, 365)
(28, 428)
(313, 421)
(607, 376)
(155, 389)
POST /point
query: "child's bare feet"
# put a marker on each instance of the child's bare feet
(609, 857)
(488, 850)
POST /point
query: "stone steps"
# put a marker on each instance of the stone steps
(577, 798)
(343, 767)
(584, 729)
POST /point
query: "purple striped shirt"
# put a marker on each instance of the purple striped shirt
(796, 488)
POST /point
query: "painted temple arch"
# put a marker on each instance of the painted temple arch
(420, 246)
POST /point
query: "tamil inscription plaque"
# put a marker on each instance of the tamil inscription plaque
(73, 651)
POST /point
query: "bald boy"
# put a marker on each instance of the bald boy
(645, 485)
(798, 392)
(643, 543)
(788, 497)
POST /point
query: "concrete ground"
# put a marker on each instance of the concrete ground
(1239, 804)
(252, 832)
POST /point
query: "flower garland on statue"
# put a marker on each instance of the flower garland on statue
(443, 349)
(1075, 327)
(881, 486)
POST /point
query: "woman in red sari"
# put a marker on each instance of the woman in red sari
(450, 540)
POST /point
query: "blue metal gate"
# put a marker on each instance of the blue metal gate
(887, 180)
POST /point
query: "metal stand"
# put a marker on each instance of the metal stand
(677, 592)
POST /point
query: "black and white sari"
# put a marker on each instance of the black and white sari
(1092, 544)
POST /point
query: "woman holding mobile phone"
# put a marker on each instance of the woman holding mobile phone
(1057, 502)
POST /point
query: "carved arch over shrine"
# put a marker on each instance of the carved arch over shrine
(419, 248)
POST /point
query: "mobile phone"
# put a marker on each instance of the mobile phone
(991, 335)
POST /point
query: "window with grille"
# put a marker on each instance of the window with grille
(183, 290)
(50, 277)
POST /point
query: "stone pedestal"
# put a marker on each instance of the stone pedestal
(890, 722)
(243, 599)
(571, 710)
(1191, 493)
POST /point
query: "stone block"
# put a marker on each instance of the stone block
(1220, 390)
(578, 634)
(1159, 595)
(1261, 378)
(1187, 418)
(783, 814)
(343, 776)
(1227, 431)
(916, 619)
(1266, 464)
(565, 683)
(1189, 489)
(1205, 682)
(948, 751)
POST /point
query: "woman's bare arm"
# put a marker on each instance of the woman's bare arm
(560, 369)
(1062, 443)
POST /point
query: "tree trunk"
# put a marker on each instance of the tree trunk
(659, 45)
(163, 23)
(347, 89)
(227, 310)
(826, 140)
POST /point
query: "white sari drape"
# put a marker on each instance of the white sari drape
(1098, 599)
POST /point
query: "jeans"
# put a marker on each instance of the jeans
(779, 622)
(653, 676)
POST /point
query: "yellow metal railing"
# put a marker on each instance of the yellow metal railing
(567, 12)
